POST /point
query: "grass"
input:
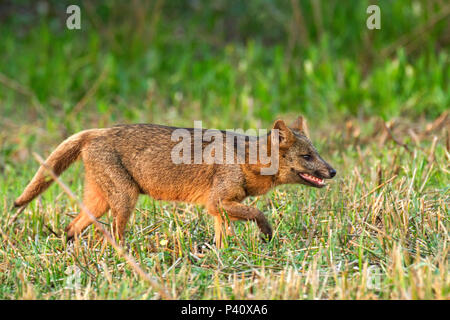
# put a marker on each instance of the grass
(378, 231)
(176, 69)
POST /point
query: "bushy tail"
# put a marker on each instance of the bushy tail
(59, 160)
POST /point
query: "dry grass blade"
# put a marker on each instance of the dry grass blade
(389, 132)
(90, 93)
(16, 86)
(416, 34)
(375, 189)
(14, 217)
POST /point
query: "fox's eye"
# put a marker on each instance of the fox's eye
(307, 157)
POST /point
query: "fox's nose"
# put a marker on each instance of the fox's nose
(332, 173)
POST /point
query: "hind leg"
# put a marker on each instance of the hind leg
(120, 189)
(122, 206)
(95, 202)
(109, 186)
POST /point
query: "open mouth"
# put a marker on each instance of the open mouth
(315, 181)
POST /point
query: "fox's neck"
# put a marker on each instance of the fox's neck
(255, 182)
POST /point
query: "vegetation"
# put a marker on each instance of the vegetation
(377, 107)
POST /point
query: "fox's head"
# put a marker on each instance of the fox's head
(299, 161)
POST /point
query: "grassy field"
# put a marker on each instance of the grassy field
(379, 230)
(377, 107)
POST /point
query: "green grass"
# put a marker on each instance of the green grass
(171, 65)
(378, 231)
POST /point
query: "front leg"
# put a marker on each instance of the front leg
(221, 223)
(239, 211)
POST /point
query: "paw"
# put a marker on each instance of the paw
(266, 232)
(70, 232)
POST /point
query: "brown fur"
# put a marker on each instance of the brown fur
(124, 161)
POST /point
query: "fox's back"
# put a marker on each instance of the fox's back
(145, 152)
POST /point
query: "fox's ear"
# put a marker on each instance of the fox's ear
(300, 125)
(285, 135)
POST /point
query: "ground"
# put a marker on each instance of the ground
(378, 230)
